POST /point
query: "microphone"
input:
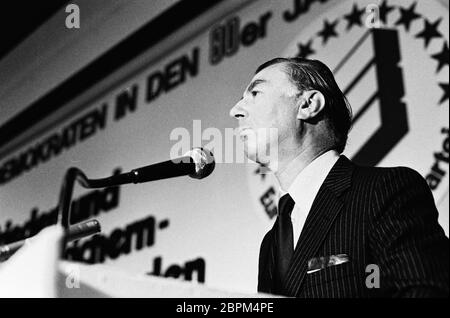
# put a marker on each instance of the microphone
(75, 232)
(198, 163)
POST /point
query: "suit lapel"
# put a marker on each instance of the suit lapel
(325, 208)
(267, 261)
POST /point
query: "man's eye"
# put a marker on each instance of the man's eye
(254, 93)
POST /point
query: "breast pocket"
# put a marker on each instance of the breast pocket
(331, 274)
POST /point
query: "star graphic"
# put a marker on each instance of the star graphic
(444, 87)
(305, 50)
(354, 18)
(407, 16)
(442, 57)
(430, 31)
(328, 31)
(384, 11)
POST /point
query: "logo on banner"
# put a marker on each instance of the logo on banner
(392, 65)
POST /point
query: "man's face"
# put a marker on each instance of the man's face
(267, 114)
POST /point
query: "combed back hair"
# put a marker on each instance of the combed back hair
(314, 75)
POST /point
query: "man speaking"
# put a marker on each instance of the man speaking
(335, 219)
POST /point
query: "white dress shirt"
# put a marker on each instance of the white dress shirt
(305, 187)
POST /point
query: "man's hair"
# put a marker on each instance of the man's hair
(314, 75)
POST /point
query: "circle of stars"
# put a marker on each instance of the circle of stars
(407, 17)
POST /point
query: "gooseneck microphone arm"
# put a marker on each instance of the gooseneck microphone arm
(163, 170)
(197, 163)
(65, 196)
(71, 232)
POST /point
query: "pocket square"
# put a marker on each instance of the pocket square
(317, 263)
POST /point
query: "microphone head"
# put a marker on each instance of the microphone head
(204, 162)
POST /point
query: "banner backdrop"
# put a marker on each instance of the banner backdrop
(391, 60)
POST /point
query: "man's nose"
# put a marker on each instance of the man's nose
(238, 111)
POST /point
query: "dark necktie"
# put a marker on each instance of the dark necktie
(285, 246)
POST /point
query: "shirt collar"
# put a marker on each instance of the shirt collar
(308, 182)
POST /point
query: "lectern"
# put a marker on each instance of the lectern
(37, 271)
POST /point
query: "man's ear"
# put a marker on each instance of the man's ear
(310, 104)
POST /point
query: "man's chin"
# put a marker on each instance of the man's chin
(265, 166)
(250, 155)
(253, 157)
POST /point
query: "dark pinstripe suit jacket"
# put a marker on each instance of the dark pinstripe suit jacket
(382, 216)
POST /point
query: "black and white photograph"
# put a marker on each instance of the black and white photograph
(224, 156)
